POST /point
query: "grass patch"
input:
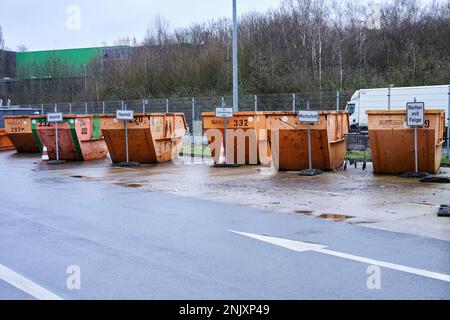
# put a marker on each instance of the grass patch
(358, 155)
(197, 151)
(445, 161)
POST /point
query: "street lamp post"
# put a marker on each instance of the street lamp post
(361, 60)
(235, 60)
(85, 79)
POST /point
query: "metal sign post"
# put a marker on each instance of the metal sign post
(309, 117)
(126, 141)
(55, 118)
(56, 141)
(125, 115)
(416, 158)
(225, 113)
(448, 124)
(415, 117)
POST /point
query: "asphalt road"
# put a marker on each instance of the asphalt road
(136, 244)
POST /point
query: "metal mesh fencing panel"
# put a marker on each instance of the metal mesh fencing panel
(194, 107)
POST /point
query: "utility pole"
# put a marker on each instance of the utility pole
(85, 80)
(235, 60)
(361, 60)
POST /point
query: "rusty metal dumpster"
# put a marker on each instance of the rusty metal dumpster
(5, 143)
(152, 137)
(79, 137)
(328, 142)
(393, 142)
(246, 137)
(18, 129)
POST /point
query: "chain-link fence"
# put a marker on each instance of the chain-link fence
(194, 107)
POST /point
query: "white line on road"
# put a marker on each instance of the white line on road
(303, 247)
(26, 285)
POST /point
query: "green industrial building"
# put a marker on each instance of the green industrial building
(65, 62)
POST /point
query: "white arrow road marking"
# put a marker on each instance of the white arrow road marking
(289, 244)
(303, 247)
(26, 285)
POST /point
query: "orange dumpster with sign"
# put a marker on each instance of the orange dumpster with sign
(392, 142)
(18, 129)
(5, 143)
(152, 138)
(79, 137)
(246, 137)
(290, 149)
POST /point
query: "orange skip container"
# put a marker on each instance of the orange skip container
(152, 137)
(18, 129)
(5, 143)
(246, 137)
(392, 141)
(79, 137)
(328, 142)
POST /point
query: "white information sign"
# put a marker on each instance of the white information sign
(224, 113)
(415, 114)
(309, 116)
(125, 115)
(55, 117)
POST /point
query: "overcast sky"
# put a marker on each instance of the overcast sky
(46, 24)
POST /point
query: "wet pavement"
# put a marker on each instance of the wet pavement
(381, 201)
(163, 232)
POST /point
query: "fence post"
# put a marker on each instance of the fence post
(42, 108)
(193, 126)
(56, 107)
(86, 107)
(122, 105)
(193, 115)
(294, 102)
(103, 107)
(389, 98)
(223, 102)
(256, 103)
(167, 105)
(338, 100)
(143, 106)
(70, 108)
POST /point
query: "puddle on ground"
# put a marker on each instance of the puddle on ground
(78, 177)
(326, 216)
(362, 222)
(335, 217)
(304, 212)
(130, 185)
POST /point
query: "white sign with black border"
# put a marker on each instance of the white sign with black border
(415, 114)
(125, 115)
(55, 117)
(308, 116)
(224, 113)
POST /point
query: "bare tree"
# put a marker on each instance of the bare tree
(305, 45)
(22, 48)
(2, 40)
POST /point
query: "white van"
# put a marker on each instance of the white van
(435, 97)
